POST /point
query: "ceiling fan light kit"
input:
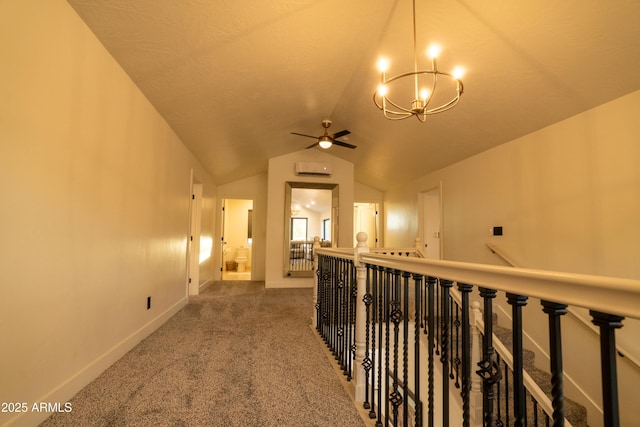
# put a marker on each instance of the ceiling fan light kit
(326, 141)
(425, 84)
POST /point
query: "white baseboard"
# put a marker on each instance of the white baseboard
(69, 388)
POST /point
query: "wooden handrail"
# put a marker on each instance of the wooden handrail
(606, 294)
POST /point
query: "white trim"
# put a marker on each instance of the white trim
(72, 385)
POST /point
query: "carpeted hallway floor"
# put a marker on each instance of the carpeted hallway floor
(236, 355)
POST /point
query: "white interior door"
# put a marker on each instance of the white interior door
(431, 223)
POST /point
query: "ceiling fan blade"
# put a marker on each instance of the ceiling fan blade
(339, 134)
(313, 145)
(302, 134)
(343, 144)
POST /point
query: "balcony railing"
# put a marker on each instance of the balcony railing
(417, 340)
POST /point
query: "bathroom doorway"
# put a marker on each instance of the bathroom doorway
(237, 239)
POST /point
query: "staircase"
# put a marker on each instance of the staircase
(575, 413)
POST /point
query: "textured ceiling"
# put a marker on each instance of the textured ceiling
(233, 78)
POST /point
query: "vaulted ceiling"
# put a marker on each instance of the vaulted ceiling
(234, 78)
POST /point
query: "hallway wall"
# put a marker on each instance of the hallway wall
(95, 191)
(567, 197)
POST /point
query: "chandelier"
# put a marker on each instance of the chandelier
(419, 85)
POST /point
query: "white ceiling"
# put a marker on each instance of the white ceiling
(234, 78)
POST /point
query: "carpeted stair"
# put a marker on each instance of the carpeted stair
(575, 413)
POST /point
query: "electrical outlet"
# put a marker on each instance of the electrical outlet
(148, 303)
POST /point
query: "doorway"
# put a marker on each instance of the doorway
(365, 218)
(431, 224)
(237, 239)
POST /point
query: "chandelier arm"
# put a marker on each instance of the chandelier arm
(395, 114)
(449, 105)
(382, 106)
(398, 107)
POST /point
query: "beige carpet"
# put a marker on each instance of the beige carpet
(236, 355)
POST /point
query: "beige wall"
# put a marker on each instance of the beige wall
(568, 197)
(281, 170)
(95, 191)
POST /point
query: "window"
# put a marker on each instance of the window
(299, 229)
(326, 229)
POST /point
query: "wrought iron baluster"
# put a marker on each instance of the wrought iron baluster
(456, 359)
(387, 304)
(405, 346)
(416, 349)
(438, 315)
(489, 369)
(507, 399)
(338, 312)
(519, 408)
(525, 407)
(445, 284)
(451, 324)
(608, 323)
(425, 308)
(465, 291)
(353, 294)
(555, 310)
(431, 327)
(381, 318)
(396, 316)
(366, 362)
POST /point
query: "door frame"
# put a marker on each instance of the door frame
(193, 238)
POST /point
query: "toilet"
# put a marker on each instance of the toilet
(242, 255)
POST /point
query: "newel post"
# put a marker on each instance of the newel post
(361, 317)
(314, 315)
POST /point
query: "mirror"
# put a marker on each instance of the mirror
(310, 211)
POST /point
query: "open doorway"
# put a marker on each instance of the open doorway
(237, 239)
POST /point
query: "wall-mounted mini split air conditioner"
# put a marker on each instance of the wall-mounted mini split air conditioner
(313, 169)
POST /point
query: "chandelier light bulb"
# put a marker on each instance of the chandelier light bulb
(458, 72)
(383, 65)
(424, 93)
(434, 50)
(383, 90)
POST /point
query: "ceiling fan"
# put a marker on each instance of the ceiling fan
(326, 141)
